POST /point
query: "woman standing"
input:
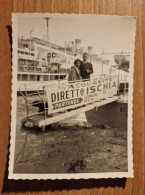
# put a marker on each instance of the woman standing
(74, 74)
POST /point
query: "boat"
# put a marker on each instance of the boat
(41, 62)
(122, 60)
(114, 114)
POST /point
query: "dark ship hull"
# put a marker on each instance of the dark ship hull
(113, 115)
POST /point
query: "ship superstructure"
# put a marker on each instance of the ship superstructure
(38, 60)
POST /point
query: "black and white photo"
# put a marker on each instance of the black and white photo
(71, 96)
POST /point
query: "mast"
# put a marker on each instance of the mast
(47, 22)
(48, 38)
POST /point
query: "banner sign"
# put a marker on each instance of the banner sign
(71, 95)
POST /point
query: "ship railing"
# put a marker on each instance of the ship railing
(124, 80)
(24, 92)
(31, 68)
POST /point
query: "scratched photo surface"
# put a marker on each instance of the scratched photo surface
(71, 96)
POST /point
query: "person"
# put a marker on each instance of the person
(74, 74)
(86, 67)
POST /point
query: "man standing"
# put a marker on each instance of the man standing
(86, 67)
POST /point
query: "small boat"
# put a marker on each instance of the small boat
(122, 60)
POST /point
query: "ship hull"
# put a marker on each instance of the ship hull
(113, 115)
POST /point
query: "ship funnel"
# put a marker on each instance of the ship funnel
(78, 43)
(90, 49)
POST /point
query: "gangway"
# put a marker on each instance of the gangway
(43, 117)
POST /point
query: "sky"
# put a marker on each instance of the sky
(104, 33)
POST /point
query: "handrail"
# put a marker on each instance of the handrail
(43, 100)
(44, 104)
(56, 82)
(25, 97)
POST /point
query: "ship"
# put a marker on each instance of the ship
(41, 62)
(113, 114)
(122, 60)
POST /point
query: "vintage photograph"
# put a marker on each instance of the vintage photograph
(72, 86)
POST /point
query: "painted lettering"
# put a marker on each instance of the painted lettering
(53, 97)
(92, 89)
(99, 88)
(105, 86)
(113, 84)
(62, 94)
